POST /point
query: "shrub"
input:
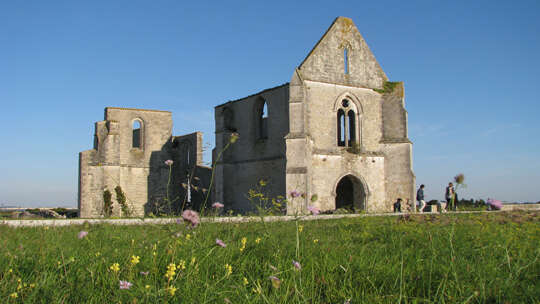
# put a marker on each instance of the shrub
(121, 199)
(107, 203)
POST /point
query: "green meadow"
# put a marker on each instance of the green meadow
(443, 258)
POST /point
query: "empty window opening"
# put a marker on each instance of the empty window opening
(352, 128)
(346, 61)
(136, 136)
(228, 120)
(263, 122)
(341, 128)
(347, 124)
(186, 153)
(265, 111)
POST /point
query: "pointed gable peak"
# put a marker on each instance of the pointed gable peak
(343, 57)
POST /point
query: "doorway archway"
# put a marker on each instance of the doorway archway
(350, 193)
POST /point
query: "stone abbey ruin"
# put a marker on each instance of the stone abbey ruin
(336, 132)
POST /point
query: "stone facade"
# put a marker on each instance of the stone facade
(337, 133)
(130, 150)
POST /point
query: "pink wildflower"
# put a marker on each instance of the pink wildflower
(191, 216)
(314, 210)
(82, 234)
(221, 243)
(295, 193)
(144, 273)
(217, 205)
(168, 162)
(125, 284)
(297, 265)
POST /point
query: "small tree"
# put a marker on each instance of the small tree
(459, 180)
(121, 199)
(107, 203)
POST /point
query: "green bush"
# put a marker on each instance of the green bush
(107, 203)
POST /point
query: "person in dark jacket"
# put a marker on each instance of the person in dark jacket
(450, 196)
(397, 205)
(420, 198)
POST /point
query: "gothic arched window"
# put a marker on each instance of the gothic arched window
(352, 127)
(346, 61)
(136, 136)
(262, 120)
(346, 125)
(341, 128)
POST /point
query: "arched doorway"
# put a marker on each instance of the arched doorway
(350, 193)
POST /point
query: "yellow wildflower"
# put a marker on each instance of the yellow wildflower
(19, 280)
(246, 281)
(135, 260)
(19, 287)
(193, 260)
(228, 269)
(98, 254)
(300, 228)
(115, 267)
(147, 286)
(258, 240)
(315, 241)
(188, 236)
(262, 182)
(10, 270)
(171, 290)
(171, 271)
(182, 265)
(154, 253)
(32, 285)
(13, 295)
(244, 241)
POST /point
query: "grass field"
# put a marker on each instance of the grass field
(467, 258)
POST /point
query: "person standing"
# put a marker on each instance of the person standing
(397, 205)
(420, 198)
(450, 197)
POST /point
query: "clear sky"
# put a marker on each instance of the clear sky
(471, 71)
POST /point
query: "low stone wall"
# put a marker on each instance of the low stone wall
(234, 219)
(526, 207)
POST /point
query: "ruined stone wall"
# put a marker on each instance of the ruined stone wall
(315, 162)
(188, 172)
(138, 167)
(252, 158)
(116, 162)
(399, 176)
(326, 62)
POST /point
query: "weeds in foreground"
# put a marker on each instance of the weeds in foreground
(467, 258)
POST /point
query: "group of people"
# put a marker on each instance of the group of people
(450, 196)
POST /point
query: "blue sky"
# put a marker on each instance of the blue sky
(471, 71)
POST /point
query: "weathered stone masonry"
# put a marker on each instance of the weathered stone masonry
(336, 132)
(332, 133)
(130, 150)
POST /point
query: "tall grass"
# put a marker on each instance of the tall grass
(467, 258)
